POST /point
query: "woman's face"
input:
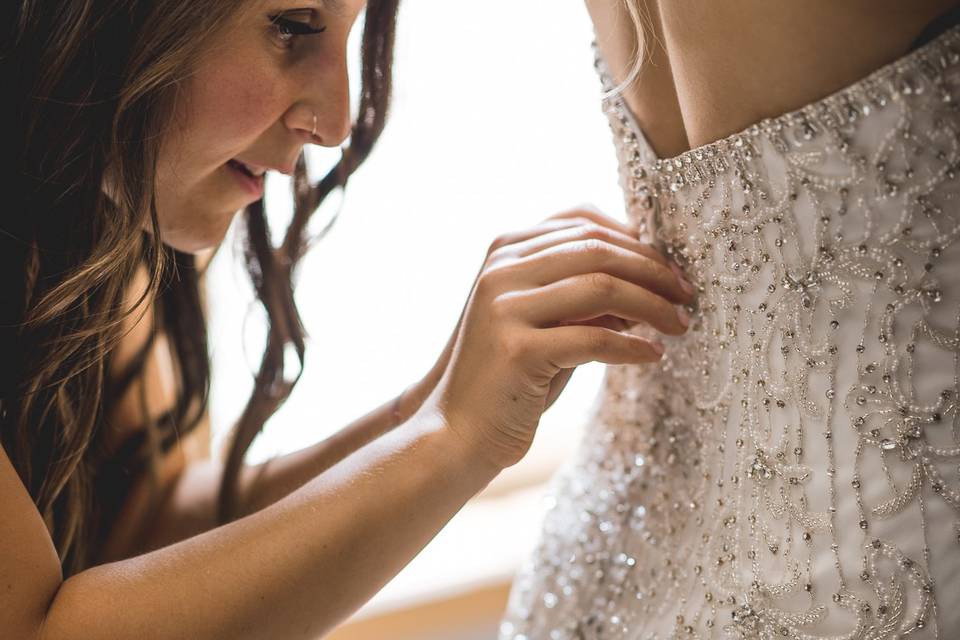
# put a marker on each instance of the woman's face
(270, 82)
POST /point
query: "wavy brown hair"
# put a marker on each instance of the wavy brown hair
(92, 85)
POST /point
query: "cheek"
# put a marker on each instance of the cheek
(229, 105)
(223, 110)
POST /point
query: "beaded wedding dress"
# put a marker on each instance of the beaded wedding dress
(791, 468)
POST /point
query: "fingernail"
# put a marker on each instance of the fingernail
(657, 347)
(684, 283)
(683, 317)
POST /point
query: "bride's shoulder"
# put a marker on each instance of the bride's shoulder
(650, 94)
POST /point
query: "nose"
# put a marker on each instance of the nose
(321, 115)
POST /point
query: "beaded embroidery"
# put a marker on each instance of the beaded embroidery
(791, 468)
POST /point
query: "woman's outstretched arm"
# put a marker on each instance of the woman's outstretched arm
(186, 506)
(292, 570)
(184, 503)
(548, 300)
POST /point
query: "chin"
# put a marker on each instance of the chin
(197, 236)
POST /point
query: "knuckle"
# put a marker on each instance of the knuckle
(498, 254)
(601, 284)
(513, 346)
(499, 242)
(500, 308)
(594, 246)
(488, 282)
(595, 231)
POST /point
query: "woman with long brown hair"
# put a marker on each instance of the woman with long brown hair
(137, 130)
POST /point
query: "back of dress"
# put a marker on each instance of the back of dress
(791, 468)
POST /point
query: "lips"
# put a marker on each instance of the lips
(252, 170)
(250, 177)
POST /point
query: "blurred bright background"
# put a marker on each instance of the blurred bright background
(496, 124)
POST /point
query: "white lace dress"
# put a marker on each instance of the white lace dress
(791, 468)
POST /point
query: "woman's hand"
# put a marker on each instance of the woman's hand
(546, 300)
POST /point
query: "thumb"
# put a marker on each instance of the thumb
(557, 385)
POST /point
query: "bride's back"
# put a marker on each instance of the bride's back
(714, 68)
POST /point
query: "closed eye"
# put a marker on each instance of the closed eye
(288, 29)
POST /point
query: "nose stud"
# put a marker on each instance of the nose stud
(314, 132)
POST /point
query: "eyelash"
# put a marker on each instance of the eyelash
(288, 30)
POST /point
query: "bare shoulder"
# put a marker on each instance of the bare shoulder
(652, 96)
(738, 61)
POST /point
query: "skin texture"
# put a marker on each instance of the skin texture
(717, 67)
(327, 526)
(253, 98)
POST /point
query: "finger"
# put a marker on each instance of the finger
(568, 347)
(607, 322)
(596, 217)
(516, 237)
(566, 219)
(593, 295)
(588, 231)
(597, 256)
(594, 232)
(514, 240)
